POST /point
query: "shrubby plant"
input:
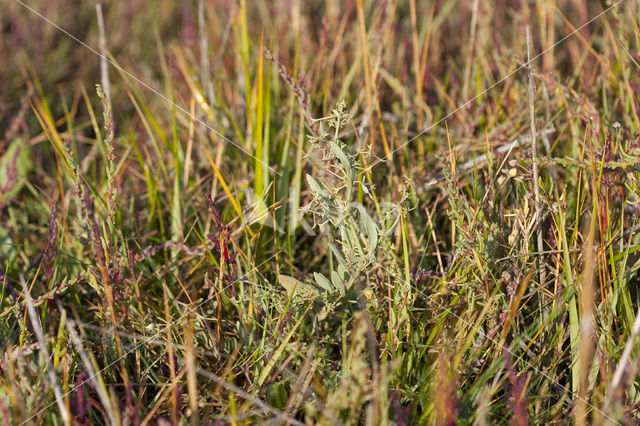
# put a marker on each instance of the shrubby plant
(356, 241)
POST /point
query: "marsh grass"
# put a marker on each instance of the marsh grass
(277, 232)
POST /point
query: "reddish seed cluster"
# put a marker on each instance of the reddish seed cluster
(298, 87)
(220, 243)
(51, 251)
(284, 321)
(420, 274)
(518, 391)
(81, 407)
(152, 250)
(55, 290)
(130, 405)
(88, 208)
(109, 129)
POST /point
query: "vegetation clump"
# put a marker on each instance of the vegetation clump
(319, 212)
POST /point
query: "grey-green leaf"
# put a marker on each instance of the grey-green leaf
(372, 230)
(353, 240)
(294, 286)
(315, 186)
(322, 281)
(344, 274)
(336, 252)
(337, 282)
(338, 152)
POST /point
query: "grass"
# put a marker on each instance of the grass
(319, 212)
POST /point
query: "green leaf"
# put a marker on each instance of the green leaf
(347, 247)
(372, 230)
(338, 282)
(336, 253)
(315, 186)
(339, 153)
(343, 273)
(322, 281)
(353, 239)
(277, 395)
(294, 286)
